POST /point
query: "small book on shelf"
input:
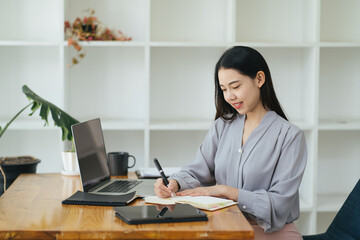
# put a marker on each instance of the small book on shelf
(203, 202)
(84, 198)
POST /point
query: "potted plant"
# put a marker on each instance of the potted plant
(11, 167)
(89, 28)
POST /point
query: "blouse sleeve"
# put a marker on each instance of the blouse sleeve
(272, 207)
(200, 172)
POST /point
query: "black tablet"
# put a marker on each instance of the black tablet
(159, 214)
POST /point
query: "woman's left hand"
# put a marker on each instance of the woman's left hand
(221, 191)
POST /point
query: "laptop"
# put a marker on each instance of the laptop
(93, 164)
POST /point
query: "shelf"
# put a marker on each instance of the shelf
(330, 202)
(299, 24)
(323, 221)
(33, 124)
(122, 125)
(43, 144)
(129, 16)
(328, 125)
(296, 94)
(277, 44)
(175, 148)
(306, 223)
(336, 20)
(305, 126)
(155, 93)
(180, 125)
(29, 43)
(336, 44)
(109, 44)
(181, 20)
(193, 79)
(199, 44)
(338, 163)
(25, 21)
(338, 90)
(38, 68)
(127, 141)
(115, 83)
(305, 206)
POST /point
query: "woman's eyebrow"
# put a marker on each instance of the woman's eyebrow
(235, 81)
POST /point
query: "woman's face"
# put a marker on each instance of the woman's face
(240, 91)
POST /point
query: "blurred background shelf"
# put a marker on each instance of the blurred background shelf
(180, 125)
(339, 125)
(306, 206)
(28, 43)
(34, 123)
(330, 202)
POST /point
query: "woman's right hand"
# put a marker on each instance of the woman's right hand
(164, 192)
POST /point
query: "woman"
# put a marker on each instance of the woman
(252, 154)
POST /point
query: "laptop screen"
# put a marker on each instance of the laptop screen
(91, 153)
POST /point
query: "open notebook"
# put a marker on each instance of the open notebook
(202, 202)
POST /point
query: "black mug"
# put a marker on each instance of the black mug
(119, 163)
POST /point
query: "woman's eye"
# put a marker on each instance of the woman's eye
(224, 90)
(237, 87)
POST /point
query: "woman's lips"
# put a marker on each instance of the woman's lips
(237, 105)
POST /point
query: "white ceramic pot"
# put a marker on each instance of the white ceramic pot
(70, 163)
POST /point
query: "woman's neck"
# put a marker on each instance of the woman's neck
(254, 117)
(252, 121)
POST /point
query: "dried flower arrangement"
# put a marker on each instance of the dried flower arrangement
(89, 28)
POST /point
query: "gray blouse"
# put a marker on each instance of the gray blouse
(267, 170)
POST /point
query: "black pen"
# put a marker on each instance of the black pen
(162, 174)
(162, 213)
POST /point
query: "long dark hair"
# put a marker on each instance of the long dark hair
(248, 62)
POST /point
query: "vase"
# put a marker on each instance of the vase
(70, 163)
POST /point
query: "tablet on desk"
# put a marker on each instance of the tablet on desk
(160, 214)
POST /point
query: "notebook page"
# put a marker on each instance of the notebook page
(203, 202)
(161, 201)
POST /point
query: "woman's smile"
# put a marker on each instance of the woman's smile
(237, 105)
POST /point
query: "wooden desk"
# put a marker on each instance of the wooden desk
(32, 209)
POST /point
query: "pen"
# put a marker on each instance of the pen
(162, 213)
(162, 174)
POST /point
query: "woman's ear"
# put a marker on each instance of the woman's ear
(260, 79)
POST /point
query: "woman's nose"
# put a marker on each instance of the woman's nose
(232, 96)
(229, 96)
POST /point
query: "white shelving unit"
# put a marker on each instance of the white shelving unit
(154, 94)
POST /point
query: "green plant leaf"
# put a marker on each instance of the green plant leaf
(61, 118)
(74, 61)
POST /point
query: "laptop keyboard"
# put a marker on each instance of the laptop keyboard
(120, 186)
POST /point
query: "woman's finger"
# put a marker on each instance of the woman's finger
(161, 190)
